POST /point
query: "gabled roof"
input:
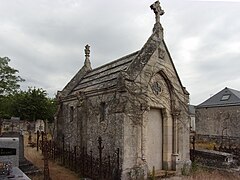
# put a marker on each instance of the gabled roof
(226, 97)
(104, 77)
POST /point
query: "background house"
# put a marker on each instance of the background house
(219, 116)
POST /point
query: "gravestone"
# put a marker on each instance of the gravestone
(9, 150)
(39, 126)
(21, 142)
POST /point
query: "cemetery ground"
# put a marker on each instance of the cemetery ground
(58, 172)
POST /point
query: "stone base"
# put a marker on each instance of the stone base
(174, 161)
(183, 167)
(138, 172)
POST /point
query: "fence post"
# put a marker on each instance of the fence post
(45, 155)
(193, 152)
(91, 163)
(83, 161)
(100, 148)
(75, 158)
(109, 166)
(42, 133)
(118, 163)
(54, 150)
(63, 151)
(49, 149)
(38, 135)
(29, 137)
(69, 156)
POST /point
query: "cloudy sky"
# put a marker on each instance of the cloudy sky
(45, 39)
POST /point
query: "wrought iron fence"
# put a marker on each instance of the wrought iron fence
(82, 161)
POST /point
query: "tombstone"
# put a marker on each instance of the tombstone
(29, 137)
(15, 125)
(39, 126)
(9, 159)
(9, 150)
(21, 147)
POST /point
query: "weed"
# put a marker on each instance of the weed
(152, 175)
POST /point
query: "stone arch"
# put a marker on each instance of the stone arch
(174, 113)
(170, 88)
(167, 123)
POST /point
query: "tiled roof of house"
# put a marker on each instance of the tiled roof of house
(226, 97)
(104, 77)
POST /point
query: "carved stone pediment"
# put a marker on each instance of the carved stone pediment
(161, 53)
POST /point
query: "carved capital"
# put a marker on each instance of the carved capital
(176, 112)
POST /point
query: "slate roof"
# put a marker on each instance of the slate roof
(104, 77)
(226, 97)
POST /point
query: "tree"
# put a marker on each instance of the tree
(8, 77)
(33, 104)
(5, 106)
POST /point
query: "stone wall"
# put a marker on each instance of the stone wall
(214, 158)
(219, 121)
(227, 141)
(83, 120)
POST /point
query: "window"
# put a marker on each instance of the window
(71, 113)
(102, 111)
(225, 97)
(156, 87)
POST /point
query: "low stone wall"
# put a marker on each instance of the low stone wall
(219, 140)
(214, 158)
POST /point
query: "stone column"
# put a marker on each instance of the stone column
(143, 134)
(175, 139)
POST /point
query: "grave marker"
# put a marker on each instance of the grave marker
(9, 150)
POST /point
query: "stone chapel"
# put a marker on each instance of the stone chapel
(136, 103)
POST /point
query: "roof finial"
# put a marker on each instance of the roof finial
(87, 51)
(87, 62)
(157, 10)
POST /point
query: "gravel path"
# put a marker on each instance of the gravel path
(57, 172)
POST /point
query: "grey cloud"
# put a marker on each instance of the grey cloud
(45, 39)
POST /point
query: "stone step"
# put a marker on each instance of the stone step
(33, 172)
(28, 168)
(164, 173)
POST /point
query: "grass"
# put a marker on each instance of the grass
(199, 173)
(205, 145)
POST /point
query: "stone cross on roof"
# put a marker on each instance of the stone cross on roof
(157, 10)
